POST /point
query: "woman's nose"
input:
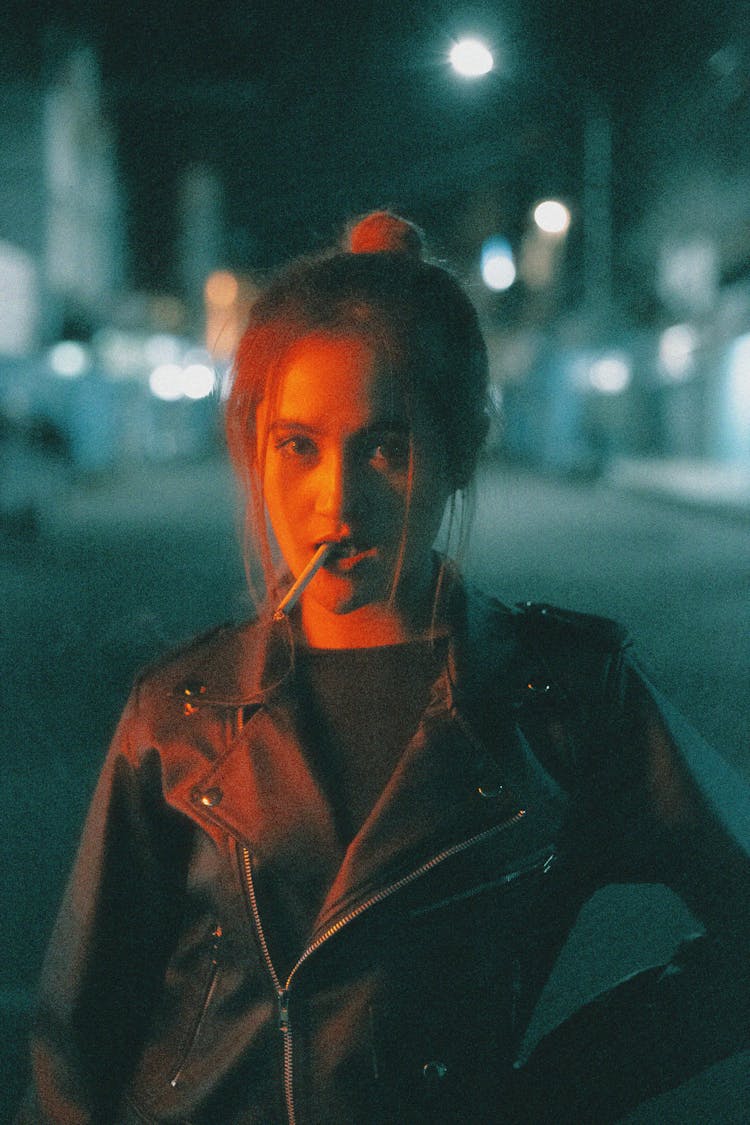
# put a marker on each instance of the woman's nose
(338, 488)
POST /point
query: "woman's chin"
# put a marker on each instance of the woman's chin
(344, 592)
(365, 597)
(342, 604)
(355, 614)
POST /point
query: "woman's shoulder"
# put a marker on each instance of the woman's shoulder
(569, 654)
(519, 651)
(566, 626)
(216, 664)
(542, 623)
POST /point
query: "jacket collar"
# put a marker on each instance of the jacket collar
(254, 663)
(261, 791)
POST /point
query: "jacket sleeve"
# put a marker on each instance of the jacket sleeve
(110, 943)
(670, 811)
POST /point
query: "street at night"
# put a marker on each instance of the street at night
(124, 570)
(356, 251)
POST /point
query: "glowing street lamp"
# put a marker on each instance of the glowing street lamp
(471, 58)
(552, 217)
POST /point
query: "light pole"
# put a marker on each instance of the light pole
(597, 210)
(471, 58)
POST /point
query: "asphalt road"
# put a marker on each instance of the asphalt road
(124, 570)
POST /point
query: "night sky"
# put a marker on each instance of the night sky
(314, 112)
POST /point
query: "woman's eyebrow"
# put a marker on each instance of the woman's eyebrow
(391, 422)
(294, 424)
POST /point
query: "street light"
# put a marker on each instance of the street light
(471, 58)
(552, 217)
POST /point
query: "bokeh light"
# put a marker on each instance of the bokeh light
(221, 289)
(677, 351)
(471, 58)
(69, 359)
(198, 381)
(498, 265)
(552, 216)
(165, 382)
(610, 374)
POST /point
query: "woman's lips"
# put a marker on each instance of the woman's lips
(347, 555)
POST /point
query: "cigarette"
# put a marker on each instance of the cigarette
(290, 599)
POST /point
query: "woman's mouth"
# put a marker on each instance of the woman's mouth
(347, 555)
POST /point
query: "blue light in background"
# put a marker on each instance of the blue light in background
(498, 264)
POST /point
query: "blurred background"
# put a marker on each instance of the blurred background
(585, 169)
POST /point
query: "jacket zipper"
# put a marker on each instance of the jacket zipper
(283, 991)
(207, 997)
(540, 867)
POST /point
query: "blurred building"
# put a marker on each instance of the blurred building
(201, 231)
(691, 251)
(62, 254)
(663, 369)
(62, 269)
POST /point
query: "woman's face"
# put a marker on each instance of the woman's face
(342, 463)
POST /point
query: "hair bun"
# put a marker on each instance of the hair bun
(382, 232)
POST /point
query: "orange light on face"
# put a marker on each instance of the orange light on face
(343, 462)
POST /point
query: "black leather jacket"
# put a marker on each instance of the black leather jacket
(544, 767)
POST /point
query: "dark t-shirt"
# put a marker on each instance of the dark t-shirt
(361, 707)
(358, 709)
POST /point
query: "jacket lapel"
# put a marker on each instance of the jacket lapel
(270, 800)
(446, 790)
(430, 806)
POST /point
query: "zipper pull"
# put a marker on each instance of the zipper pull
(216, 934)
(284, 1010)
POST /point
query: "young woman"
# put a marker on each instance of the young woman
(334, 852)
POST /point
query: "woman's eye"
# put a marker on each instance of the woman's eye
(297, 445)
(392, 452)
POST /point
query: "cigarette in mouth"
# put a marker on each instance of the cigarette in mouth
(290, 599)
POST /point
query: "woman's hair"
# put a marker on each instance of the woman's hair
(413, 313)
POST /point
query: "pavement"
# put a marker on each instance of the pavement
(689, 481)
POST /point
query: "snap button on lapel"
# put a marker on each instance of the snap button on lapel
(192, 687)
(191, 691)
(209, 798)
(539, 686)
(487, 778)
(434, 1071)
